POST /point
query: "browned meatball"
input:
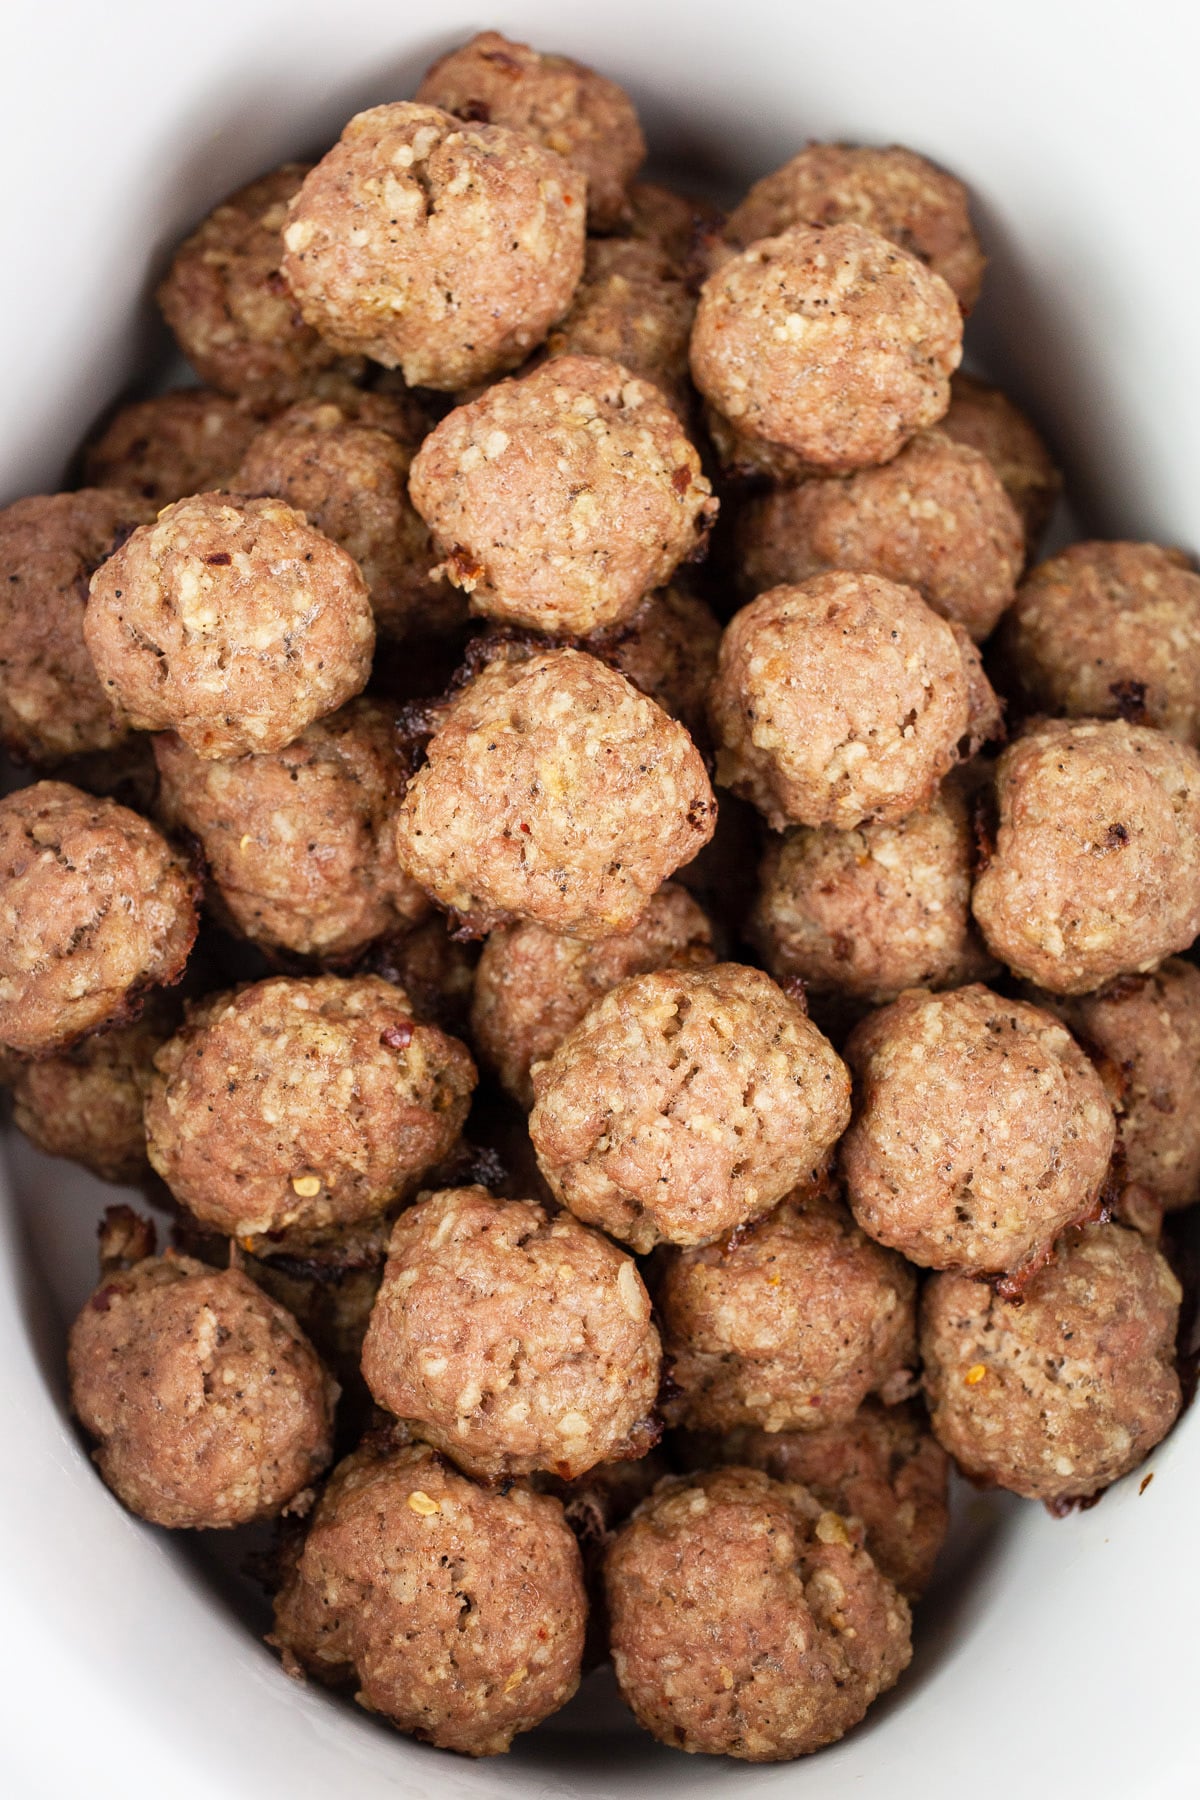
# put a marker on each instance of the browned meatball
(303, 1103)
(840, 700)
(1096, 869)
(883, 1467)
(436, 969)
(746, 1621)
(456, 1613)
(1148, 1027)
(554, 791)
(557, 102)
(829, 343)
(511, 1338)
(980, 1130)
(667, 648)
(559, 500)
(438, 247)
(231, 622)
(789, 1325)
(1064, 1393)
(127, 773)
(229, 304)
(183, 442)
(935, 518)
(987, 420)
(208, 1402)
(299, 842)
(868, 913)
(532, 986)
(87, 1104)
(677, 223)
(51, 704)
(328, 1284)
(686, 1103)
(635, 308)
(895, 192)
(350, 479)
(95, 907)
(1109, 631)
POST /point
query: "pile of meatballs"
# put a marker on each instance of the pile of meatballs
(597, 1213)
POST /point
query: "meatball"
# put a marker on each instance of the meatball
(560, 104)
(95, 907)
(511, 1338)
(187, 441)
(435, 968)
(667, 648)
(985, 419)
(894, 192)
(87, 1104)
(935, 518)
(789, 1325)
(677, 223)
(441, 248)
(883, 1467)
(1096, 868)
(840, 700)
(231, 622)
(299, 842)
(980, 1130)
(329, 1286)
(532, 986)
(303, 1103)
(456, 1613)
(635, 308)
(828, 342)
(870, 912)
(228, 303)
(554, 791)
(746, 1621)
(1109, 631)
(1058, 1396)
(685, 1104)
(350, 479)
(559, 500)
(208, 1403)
(1148, 1027)
(52, 705)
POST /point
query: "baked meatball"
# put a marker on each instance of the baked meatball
(532, 986)
(936, 518)
(436, 969)
(1096, 867)
(95, 907)
(840, 700)
(559, 500)
(883, 1467)
(228, 303)
(667, 648)
(187, 441)
(685, 1104)
(788, 1325)
(303, 1103)
(441, 248)
(746, 1620)
(231, 622)
(560, 104)
(985, 419)
(208, 1403)
(512, 1339)
(980, 1130)
(1109, 631)
(829, 343)
(554, 791)
(1064, 1393)
(349, 477)
(329, 1286)
(895, 192)
(456, 1612)
(678, 223)
(633, 307)
(51, 704)
(870, 912)
(299, 841)
(1148, 1028)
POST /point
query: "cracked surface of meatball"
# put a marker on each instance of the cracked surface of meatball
(985, 419)
(187, 441)
(686, 1103)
